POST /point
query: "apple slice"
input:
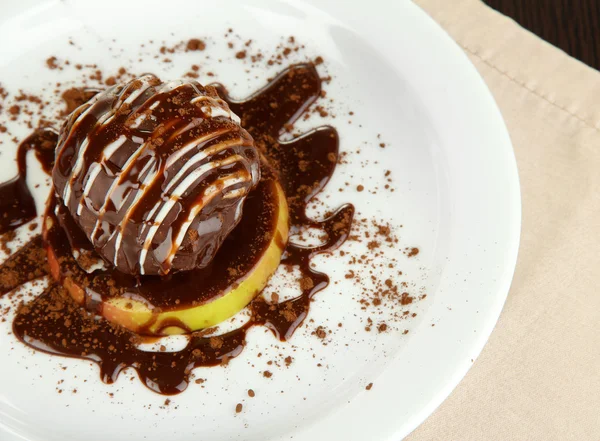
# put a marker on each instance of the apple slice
(134, 312)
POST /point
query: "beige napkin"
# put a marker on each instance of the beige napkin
(538, 377)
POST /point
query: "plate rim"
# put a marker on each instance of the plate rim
(443, 41)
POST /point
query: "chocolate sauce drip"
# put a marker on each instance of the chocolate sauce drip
(17, 206)
(53, 323)
(306, 163)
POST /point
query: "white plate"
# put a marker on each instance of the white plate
(457, 198)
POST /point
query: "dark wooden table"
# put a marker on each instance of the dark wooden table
(571, 25)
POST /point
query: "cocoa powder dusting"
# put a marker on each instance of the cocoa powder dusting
(195, 44)
(413, 252)
(51, 63)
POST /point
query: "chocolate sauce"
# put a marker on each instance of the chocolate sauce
(54, 323)
(17, 206)
(239, 253)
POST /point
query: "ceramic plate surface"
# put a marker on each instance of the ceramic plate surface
(456, 197)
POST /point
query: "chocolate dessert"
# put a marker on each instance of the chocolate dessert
(169, 215)
(155, 174)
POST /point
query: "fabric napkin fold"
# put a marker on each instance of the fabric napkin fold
(538, 378)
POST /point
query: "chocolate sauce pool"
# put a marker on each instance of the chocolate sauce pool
(16, 203)
(55, 324)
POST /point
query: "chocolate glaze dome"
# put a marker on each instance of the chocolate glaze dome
(155, 174)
